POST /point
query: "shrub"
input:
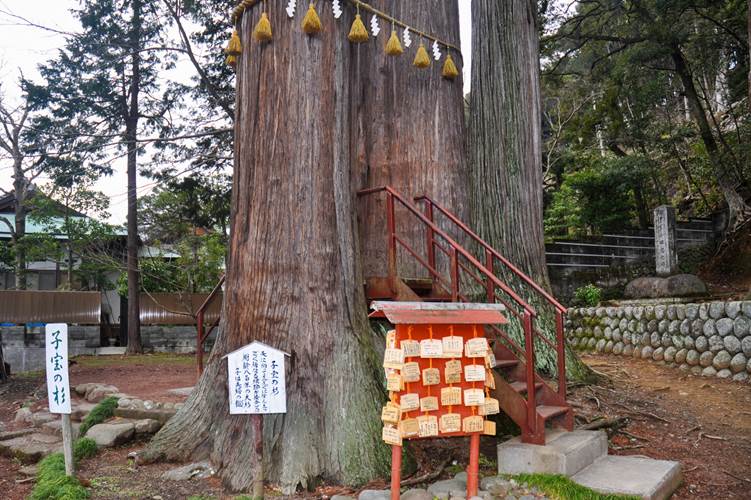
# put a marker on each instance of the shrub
(84, 448)
(101, 412)
(588, 295)
(53, 484)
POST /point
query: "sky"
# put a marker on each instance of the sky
(22, 48)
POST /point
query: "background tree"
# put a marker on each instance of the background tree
(295, 274)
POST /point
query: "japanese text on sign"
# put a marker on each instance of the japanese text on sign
(56, 353)
(256, 380)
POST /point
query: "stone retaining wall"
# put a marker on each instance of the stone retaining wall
(709, 339)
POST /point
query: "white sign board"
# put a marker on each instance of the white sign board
(56, 350)
(256, 380)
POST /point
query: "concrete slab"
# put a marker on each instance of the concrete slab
(110, 351)
(639, 476)
(31, 448)
(564, 453)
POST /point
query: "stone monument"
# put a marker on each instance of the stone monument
(666, 257)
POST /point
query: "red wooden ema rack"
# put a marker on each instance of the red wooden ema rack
(418, 321)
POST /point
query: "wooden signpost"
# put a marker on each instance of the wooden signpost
(438, 370)
(257, 387)
(58, 385)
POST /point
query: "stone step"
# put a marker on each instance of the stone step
(563, 453)
(55, 428)
(31, 448)
(639, 476)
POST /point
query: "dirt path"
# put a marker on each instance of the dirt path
(705, 423)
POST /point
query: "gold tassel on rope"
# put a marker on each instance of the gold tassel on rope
(311, 24)
(262, 31)
(234, 49)
(422, 59)
(394, 46)
(358, 33)
(449, 68)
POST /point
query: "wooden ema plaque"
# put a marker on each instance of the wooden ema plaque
(432, 389)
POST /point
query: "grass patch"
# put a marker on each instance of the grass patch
(562, 488)
(53, 484)
(84, 448)
(101, 412)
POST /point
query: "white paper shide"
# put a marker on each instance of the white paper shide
(256, 380)
(56, 353)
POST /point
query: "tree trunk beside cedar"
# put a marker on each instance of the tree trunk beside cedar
(131, 137)
(505, 150)
(308, 136)
(20, 189)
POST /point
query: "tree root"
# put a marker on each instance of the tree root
(426, 477)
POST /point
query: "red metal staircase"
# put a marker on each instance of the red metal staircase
(456, 274)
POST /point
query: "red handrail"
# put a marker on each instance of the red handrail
(491, 254)
(201, 336)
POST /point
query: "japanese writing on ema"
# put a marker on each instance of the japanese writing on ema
(256, 380)
(56, 351)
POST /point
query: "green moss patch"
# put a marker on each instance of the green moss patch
(53, 484)
(101, 412)
(562, 488)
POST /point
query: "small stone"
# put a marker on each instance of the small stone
(446, 486)
(746, 346)
(732, 344)
(42, 417)
(701, 344)
(738, 363)
(722, 360)
(684, 367)
(733, 309)
(708, 372)
(709, 328)
(600, 347)
(628, 350)
(658, 354)
(685, 327)
(628, 312)
(703, 311)
(724, 373)
(638, 312)
(669, 354)
(680, 356)
(716, 343)
(649, 312)
(741, 326)
(671, 312)
(697, 328)
(23, 415)
(692, 311)
(746, 308)
(705, 359)
(663, 325)
(696, 370)
(740, 377)
(147, 426)
(618, 348)
(660, 311)
(652, 325)
(342, 497)
(677, 341)
(98, 392)
(688, 342)
(666, 340)
(609, 347)
(647, 352)
(202, 470)
(724, 326)
(680, 312)
(748, 365)
(416, 494)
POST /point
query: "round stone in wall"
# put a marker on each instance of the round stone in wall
(574, 342)
(722, 360)
(732, 309)
(725, 373)
(716, 344)
(600, 347)
(684, 367)
(746, 346)
(692, 357)
(680, 311)
(626, 338)
(617, 335)
(647, 352)
(732, 344)
(704, 311)
(663, 325)
(741, 377)
(688, 342)
(655, 340)
(738, 363)
(649, 312)
(680, 356)
(706, 359)
(708, 372)
(600, 312)
(671, 312)
(709, 328)
(696, 370)
(660, 311)
(741, 326)
(608, 333)
(701, 344)
(623, 324)
(674, 327)
(618, 349)
(669, 355)
(652, 325)
(685, 327)
(608, 347)
(724, 326)
(638, 312)
(677, 341)
(746, 309)
(748, 365)
(628, 312)
(658, 354)
(692, 311)
(637, 352)
(610, 311)
(716, 310)
(628, 350)
(697, 328)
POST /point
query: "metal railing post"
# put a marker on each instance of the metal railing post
(391, 223)
(454, 275)
(489, 287)
(430, 234)
(561, 345)
(529, 346)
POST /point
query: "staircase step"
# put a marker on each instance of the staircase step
(520, 386)
(638, 476)
(506, 363)
(563, 453)
(547, 412)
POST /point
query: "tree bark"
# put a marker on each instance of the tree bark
(506, 152)
(131, 137)
(20, 188)
(737, 207)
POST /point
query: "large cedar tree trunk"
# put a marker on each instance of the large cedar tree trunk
(295, 278)
(505, 150)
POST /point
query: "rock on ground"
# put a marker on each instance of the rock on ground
(30, 448)
(108, 435)
(198, 470)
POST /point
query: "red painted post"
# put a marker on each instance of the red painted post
(199, 343)
(473, 469)
(396, 471)
(392, 241)
(529, 345)
(454, 275)
(430, 234)
(490, 287)
(561, 345)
